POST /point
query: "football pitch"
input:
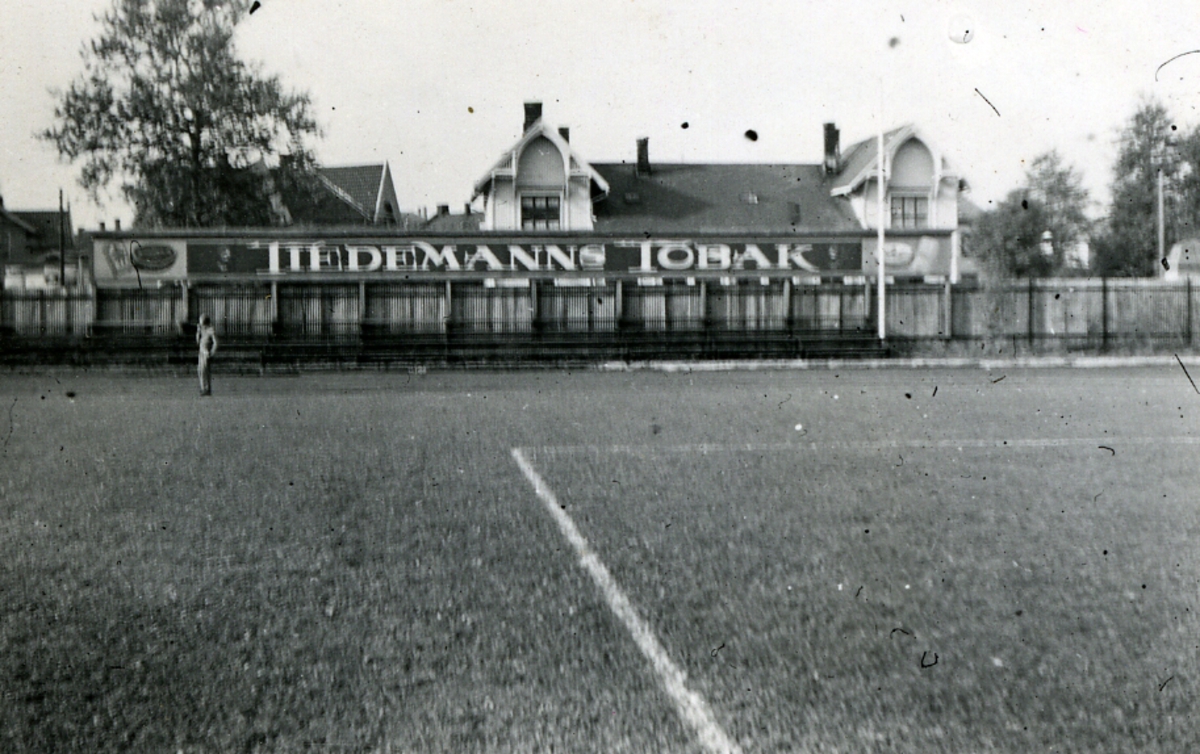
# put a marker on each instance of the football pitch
(814, 561)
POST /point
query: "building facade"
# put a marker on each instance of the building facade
(713, 251)
(542, 185)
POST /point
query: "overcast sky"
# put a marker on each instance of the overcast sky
(436, 87)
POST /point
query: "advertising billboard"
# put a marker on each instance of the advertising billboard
(134, 261)
(127, 261)
(910, 256)
(409, 256)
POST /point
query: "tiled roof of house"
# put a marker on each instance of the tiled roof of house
(13, 218)
(447, 223)
(45, 225)
(718, 198)
(359, 185)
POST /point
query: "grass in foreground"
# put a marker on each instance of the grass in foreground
(290, 573)
(354, 563)
(1013, 600)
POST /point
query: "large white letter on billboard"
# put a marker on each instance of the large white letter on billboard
(676, 255)
(444, 258)
(751, 254)
(712, 256)
(796, 256)
(483, 254)
(352, 258)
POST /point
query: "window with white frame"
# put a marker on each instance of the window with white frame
(541, 212)
(910, 211)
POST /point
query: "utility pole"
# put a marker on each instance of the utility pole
(1162, 230)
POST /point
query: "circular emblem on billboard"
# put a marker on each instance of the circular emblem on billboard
(153, 258)
(898, 253)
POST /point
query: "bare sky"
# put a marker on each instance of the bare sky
(436, 87)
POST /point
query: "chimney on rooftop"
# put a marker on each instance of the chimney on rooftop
(117, 224)
(443, 209)
(101, 226)
(467, 209)
(643, 156)
(533, 113)
(833, 152)
(565, 133)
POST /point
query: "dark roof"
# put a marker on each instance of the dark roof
(15, 219)
(360, 183)
(45, 224)
(717, 198)
(454, 223)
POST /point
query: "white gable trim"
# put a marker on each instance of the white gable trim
(379, 193)
(342, 194)
(506, 165)
(941, 166)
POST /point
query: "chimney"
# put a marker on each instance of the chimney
(443, 209)
(467, 209)
(643, 156)
(117, 224)
(833, 152)
(533, 113)
(101, 226)
(565, 133)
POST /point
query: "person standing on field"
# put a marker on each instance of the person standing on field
(206, 337)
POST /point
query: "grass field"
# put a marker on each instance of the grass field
(934, 561)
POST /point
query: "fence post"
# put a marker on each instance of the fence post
(535, 305)
(1104, 313)
(1189, 309)
(1029, 313)
(619, 305)
(184, 313)
(948, 312)
(273, 309)
(867, 304)
(362, 308)
(788, 320)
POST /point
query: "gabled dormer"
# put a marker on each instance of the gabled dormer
(921, 187)
(540, 184)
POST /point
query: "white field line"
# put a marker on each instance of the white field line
(1114, 443)
(691, 706)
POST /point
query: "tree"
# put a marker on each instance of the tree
(1059, 189)
(1185, 217)
(1129, 244)
(1009, 238)
(165, 107)
(1013, 239)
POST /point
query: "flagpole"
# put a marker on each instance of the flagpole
(879, 222)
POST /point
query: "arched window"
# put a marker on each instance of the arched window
(911, 185)
(541, 182)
